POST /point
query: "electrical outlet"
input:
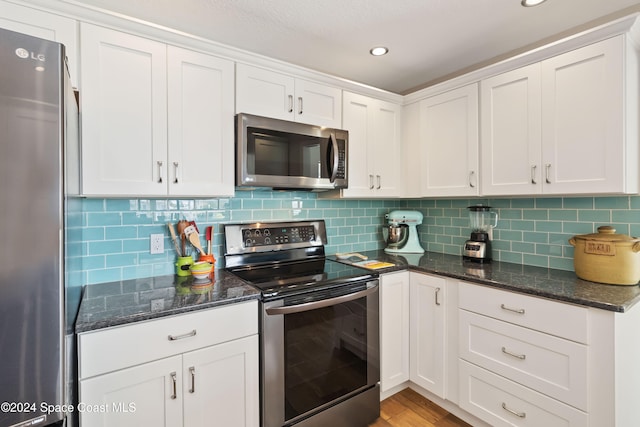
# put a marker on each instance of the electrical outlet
(157, 244)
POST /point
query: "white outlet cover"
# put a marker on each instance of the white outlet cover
(156, 244)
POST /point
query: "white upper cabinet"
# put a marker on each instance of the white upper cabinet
(565, 125)
(201, 129)
(268, 93)
(511, 132)
(449, 143)
(375, 150)
(46, 26)
(154, 123)
(589, 127)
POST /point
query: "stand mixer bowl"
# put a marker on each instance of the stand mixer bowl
(397, 235)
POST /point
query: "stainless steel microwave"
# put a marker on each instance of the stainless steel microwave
(280, 154)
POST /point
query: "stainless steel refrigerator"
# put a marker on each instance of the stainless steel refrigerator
(37, 109)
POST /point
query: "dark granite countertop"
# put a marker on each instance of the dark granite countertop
(118, 303)
(543, 282)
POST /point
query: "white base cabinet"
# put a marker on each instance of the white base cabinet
(394, 329)
(428, 331)
(205, 373)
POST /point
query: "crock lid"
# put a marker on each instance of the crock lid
(607, 233)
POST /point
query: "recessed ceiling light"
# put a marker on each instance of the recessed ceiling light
(379, 51)
(529, 3)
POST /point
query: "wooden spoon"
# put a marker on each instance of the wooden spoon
(182, 224)
(194, 238)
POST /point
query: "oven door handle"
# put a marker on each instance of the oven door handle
(299, 308)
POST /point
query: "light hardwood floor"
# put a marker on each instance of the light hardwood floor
(409, 409)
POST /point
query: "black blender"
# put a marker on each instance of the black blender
(482, 221)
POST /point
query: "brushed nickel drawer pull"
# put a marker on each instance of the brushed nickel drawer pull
(517, 414)
(547, 168)
(192, 371)
(533, 174)
(179, 337)
(517, 356)
(513, 310)
(175, 385)
(159, 162)
(437, 293)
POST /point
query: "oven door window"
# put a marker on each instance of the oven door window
(325, 355)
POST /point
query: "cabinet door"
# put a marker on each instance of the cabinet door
(318, 104)
(386, 149)
(394, 330)
(374, 147)
(449, 134)
(582, 120)
(124, 116)
(45, 25)
(146, 395)
(357, 117)
(264, 93)
(201, 131)
(221, 385)
(427, 348)
(511, 132)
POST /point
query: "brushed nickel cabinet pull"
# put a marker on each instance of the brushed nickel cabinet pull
(370, 182)
(159, 171)
(517, 356)
(179, 337)
(291, 103)
(517, 414)
(471, 184)
(379, 182)
(174, 381)
(300, 105)
(175, 172)
(533, 174)
(547, 169)
(192, 372)
(513, 310)
(437, 293)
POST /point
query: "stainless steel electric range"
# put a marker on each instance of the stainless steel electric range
(319, 332)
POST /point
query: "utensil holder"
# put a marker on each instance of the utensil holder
(182, 265)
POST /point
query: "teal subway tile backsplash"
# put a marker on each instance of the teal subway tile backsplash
(108, 239)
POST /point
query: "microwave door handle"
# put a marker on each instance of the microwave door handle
(336, 157)
(299, 308)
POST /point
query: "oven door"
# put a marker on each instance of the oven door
(320, 358)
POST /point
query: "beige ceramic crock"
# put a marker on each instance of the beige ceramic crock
(607, 257)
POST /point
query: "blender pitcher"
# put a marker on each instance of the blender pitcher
(482, 219)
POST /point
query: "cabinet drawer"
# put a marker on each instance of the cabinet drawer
(501, 402)
(555, 318)
(115, 348)
(550, 365)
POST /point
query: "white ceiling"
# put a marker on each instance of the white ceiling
(428, 39)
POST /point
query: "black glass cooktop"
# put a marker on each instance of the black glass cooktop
(289, 278)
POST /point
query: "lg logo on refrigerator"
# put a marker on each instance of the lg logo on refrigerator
(24, 54)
